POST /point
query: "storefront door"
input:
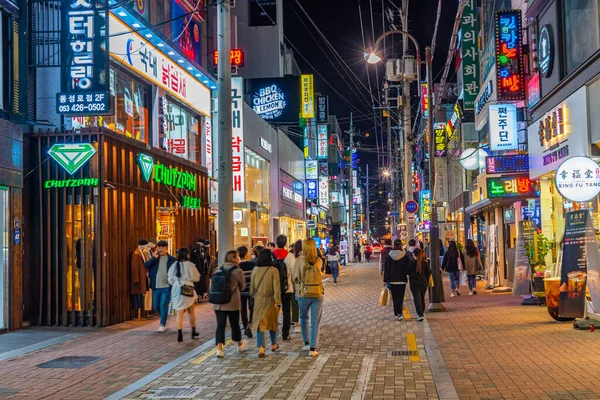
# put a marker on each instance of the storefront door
(4, 237)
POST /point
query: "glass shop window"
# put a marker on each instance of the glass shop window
(179, 130)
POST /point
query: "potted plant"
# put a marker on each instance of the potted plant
(536, 251)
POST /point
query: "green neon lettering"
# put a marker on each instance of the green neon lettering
(158, 173)
(94, 182)
(48, 184)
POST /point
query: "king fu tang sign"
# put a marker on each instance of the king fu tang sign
(84, 58)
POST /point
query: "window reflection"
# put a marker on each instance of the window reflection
(179, 130)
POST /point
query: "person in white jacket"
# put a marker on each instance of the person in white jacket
(183, 299)
(333, 257)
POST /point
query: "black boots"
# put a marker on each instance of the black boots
(194, 333)
(179, 335)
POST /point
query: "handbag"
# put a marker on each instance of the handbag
(187, 290)
(384, 297)
(430, 283)
(463, 278)
(460, 264)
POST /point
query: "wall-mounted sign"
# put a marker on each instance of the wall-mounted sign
(289, 194)
(275, 99)
(559, 134)
(186, 29)
(266, 145)
(64, 183)
(469, 54)
(507, 164)
(578, 179)
(208, 163)
(324, 192)
(485, 95)
(322, 141)
(263, 12)
(546, 51)
(312, 169)
(308, 96)
(441, 140)
(424, 100)
(509, 56)
(238, 215)
(510, 186)
(146, 164)
(452, 124)
(425, 208)
(503, 127)
(534, 93)
(237, 140)
(236, 57)
(190, 202)
(84, 58)
(322, 109)
(312, 189)
(170, 176)
(335, 197)
(310, 224)
(323, 169)
(72, 156)
(135, 52)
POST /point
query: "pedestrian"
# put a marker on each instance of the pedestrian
(265, 287)
(271, 246)
(247, 301)
(333, 258)
(472, 265)
(412, 245)
(362, 252)
(308, 278)
(387, 247)
(395, 267)
(235, 282)
(428, 249)
(284, 260)
(214, 264)
(452, 263)
(183, 295)
(158, 270)
(255, 252)
(418, 274)
(357, 255)
(368, 252)
(295, 311)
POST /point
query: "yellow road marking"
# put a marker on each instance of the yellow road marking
(406, 313)
(411, 341)
(209, 354)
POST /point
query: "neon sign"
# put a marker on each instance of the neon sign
(510, 186)
(509, 56)
(507, 164)
(269, 102)
(166, 175)
(190, 202)
(72, 156)
(236, 57)
(64, 183)
(440, 140)
(424, 100)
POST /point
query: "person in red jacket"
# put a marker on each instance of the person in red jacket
(368, 252)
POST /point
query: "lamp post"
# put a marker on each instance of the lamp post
(436, 294)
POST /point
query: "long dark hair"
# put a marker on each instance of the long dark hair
(452, 249)
(265, 258)
(472, 251)
(183, 254)
(420, 258)
(332, 250)
(297, 248)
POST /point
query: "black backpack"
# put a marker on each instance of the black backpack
(220, 286)
(283, 275)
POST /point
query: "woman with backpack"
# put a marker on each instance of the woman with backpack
(333, 257)
(226, 285)
(183, 295)
(265, 287)
(453, 263)
(472, 265)
(418, 274)
(308, 280)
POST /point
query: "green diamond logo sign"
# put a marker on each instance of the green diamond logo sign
(72, 156)
(146, 164)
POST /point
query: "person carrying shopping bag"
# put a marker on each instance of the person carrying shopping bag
(453, 263)
(183, 295)
(308, 279)
(419, 273)
(395, 266)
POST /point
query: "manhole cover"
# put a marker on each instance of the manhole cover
(70, 362)
(401, 353)
(176, 392)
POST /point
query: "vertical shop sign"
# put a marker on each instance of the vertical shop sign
(522, 269)
(424, 100)
(322, 109)
(503, 127)
(470, 54)
(84, 58)
(323, 169)
(425, 208)
(312, 189)
(580, 249)
(441, 141)
(308, 96)
(322, 141)
(237, 136)
(324, 192)
(312, 169)
(509, 56)
(208, 163)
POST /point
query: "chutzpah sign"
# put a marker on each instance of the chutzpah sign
(166, 175)
(64, 183)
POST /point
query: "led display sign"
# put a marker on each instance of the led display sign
(441, 140)
(64, 183)
(510, 186)
(507, 164)
(509, 56)
(236, 57)
(190, 202)
(84, 58)
(503, 127)
(275, 99)
(308, 96)
(424, 100)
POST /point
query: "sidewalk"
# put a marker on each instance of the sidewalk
(495, 348)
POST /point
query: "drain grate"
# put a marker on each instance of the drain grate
(405, 353)
(176, 392)
(70, 362)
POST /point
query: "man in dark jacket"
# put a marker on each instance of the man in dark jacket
(395, 276)
(158, 270)
(247, 301)
(387, 247)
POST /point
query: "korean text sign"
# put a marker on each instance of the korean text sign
(469, 53)
(237, 137)
(510, 186)
(509, 56)
(308, 96)
(503, 127)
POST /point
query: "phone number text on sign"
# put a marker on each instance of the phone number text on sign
(77, 104)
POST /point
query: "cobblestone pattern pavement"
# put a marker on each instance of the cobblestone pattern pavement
(494, 348)
(357, 336)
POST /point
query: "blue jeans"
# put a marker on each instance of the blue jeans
(260, 338)
(454, 280)
(315, 306)
(335, 270)
(472, 282)
(160, 301)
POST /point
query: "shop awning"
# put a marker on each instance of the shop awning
(486, 204)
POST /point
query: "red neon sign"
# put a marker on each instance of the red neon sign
(509, 56)
(237, 57)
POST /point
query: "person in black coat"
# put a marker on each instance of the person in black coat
(453, 263)
(418, 274)
(394, 268)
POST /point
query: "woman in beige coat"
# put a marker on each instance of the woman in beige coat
(266, 290)
(472, 265)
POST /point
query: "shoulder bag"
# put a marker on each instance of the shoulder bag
(186, 290)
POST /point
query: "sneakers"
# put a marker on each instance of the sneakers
(162, 329)
(306, 347)
(297, 329)
(471, 293)
(399, 317)
(220, 353)
(334, 283)
(313, 353)
(420, 319)
(452, 294)
(242, 345)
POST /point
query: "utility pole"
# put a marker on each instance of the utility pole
(349, 189)
(437, 291)
(368, 206)
(391, 166)
(225, 178)
(407, 128)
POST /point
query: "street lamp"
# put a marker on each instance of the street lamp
(437, 292)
